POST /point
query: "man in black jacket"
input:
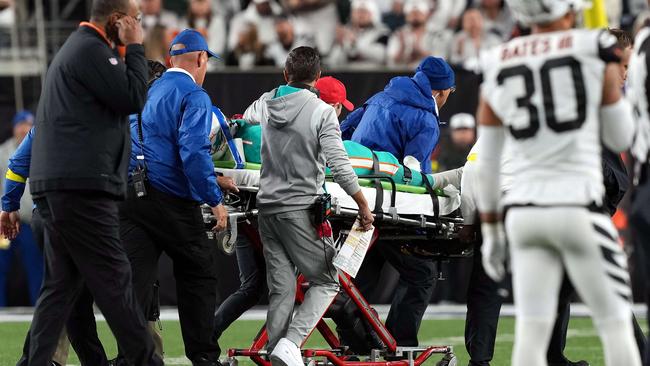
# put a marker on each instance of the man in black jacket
(78, 172)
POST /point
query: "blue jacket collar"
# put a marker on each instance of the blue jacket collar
(182, 71)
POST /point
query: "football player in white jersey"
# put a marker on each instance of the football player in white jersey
(550, 98)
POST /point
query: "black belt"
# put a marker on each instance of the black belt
(592, 207)
(158, 194)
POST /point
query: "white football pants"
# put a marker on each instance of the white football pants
(546, 241)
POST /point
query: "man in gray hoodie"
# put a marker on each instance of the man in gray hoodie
(300, 135)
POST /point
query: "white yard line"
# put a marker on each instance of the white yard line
(452, 341)
(169, 361)
(433, 312)
(507, 337)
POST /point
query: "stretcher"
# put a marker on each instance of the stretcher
(425, 225)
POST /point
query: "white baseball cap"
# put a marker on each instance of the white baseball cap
(543, 11)
(462, 120)
(369, 5)
(421, 5)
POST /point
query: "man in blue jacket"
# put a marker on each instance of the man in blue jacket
(403, 119)
(173, 148)
(24, 243)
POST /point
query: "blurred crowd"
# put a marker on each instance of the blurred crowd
(350, 33)
(359, 33)
(356, 33)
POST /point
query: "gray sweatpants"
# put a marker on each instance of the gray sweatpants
(290, 241)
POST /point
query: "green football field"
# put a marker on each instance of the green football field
(582, 341)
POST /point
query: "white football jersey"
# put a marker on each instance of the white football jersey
(469, 184)
(546, 89)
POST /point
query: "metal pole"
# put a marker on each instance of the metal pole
(69, 8)
(55, 27)
(15, 46)
(42, 42)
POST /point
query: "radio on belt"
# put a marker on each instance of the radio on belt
(322, 208)
(139, 176)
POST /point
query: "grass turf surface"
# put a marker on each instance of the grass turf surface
(582, 340)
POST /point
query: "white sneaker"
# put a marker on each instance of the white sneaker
(286, 353)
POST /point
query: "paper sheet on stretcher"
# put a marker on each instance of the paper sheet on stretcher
(353, 251)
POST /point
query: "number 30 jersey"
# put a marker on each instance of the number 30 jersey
(546, 88)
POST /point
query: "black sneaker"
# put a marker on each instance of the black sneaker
(118, 361)
(203, 361)
(570, 363)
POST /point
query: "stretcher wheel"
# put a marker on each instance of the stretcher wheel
(230, 361)
(224, 244)
(449, 360)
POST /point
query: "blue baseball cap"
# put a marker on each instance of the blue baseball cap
(439, 73)
(23, 116)
(193, 42)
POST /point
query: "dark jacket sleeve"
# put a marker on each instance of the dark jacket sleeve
(120, 86)
(615, 179)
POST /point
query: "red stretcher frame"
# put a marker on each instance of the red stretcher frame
(335, 355)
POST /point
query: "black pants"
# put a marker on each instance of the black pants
(82, 333)
(159, 222)
(640, 225)
(82, 236)
(417, 281)
(81, 326)
(482, 319)
(252, 277)
(38, 229)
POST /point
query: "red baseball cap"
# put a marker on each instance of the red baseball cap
(333, 91)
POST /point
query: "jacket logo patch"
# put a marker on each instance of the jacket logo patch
(113, 61)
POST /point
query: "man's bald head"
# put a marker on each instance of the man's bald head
(196, 63)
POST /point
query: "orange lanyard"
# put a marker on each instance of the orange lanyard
(97, 29)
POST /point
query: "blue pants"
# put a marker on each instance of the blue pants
(32, 259)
